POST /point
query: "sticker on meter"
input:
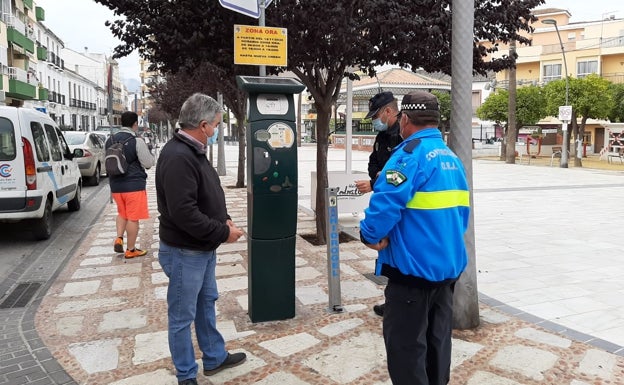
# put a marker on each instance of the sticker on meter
(282, 136)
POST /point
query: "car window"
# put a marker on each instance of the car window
(97, 140)
(7, 140)
(62, 142)
(94, 141)
(41, 144)
(74, 139)
(55, 145)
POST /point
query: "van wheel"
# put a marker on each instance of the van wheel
(42, 228)
(74, 204)
(95, 178)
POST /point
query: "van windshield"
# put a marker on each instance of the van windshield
(7, 140)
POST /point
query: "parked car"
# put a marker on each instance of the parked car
(91, 164)
(108, 129)
(103, 135)
(38, 172)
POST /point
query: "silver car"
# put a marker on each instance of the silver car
(92, 163)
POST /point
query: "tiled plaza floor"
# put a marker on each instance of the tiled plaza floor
(104, 320)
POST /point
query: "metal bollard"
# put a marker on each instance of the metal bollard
(333, 250)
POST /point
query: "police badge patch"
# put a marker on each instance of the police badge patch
(395, 178)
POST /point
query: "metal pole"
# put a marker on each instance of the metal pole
(261, 23)
(333, 250)
(564, 125)
(220, 143)
(349, 126)
(466, 301)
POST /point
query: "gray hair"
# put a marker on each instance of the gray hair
(196, 108)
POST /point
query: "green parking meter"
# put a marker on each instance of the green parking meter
(271, 195)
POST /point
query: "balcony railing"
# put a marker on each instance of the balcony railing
(18, 33)
(612, 42)
(548, 49)
(42, 53)
(22, 76)
(40, 14)
(616, 78)
(43, 93)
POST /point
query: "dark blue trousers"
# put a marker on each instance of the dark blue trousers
(417, 329)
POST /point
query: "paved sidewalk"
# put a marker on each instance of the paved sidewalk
(549, 259)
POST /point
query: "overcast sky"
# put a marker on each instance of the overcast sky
(80, 24)
(587, 10)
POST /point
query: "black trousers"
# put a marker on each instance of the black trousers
(417, 329)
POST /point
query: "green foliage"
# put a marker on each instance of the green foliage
(444, 98)
(181, 34)
(590, 97)
(495, 107)
(325, 38)
(617, 112)
(530, 106)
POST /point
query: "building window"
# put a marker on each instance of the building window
(552, 72)
(360, 105)
(584, 68)
(476, 101)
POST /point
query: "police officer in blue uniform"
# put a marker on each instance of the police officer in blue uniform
(416, 219)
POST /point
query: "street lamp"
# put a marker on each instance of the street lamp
(564, 125)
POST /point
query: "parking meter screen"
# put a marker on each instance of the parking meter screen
(282, 136)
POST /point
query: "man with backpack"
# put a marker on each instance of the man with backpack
(128, 184)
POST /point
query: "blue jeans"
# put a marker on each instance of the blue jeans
(191, 298)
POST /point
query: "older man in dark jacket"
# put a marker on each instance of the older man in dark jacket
(193, 223)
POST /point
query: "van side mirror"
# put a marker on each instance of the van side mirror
(78, 153)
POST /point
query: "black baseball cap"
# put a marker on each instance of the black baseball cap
(377, 102)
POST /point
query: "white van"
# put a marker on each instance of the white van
(38, 173)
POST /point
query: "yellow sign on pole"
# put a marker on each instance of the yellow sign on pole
(256, 45)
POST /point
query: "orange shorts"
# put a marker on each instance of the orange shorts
(132, 205)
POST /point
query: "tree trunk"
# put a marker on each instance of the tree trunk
(323, 116)
(241, 120)
(240, 175)
(511, 119)
(503, 147)
(580, 131)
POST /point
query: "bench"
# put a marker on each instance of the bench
(556, 153)
(617, 155)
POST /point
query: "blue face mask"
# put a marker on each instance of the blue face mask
(213, 138)
(378, 125)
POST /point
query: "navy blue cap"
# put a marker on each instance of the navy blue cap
(377, 102)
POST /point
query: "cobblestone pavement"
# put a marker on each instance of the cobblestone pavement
(104, 321)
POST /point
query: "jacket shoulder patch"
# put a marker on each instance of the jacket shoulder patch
(409, 148)
(394, 177)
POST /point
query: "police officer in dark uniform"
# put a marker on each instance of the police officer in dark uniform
(383, 109)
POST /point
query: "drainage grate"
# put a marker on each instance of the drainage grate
(378, 279)
(21, 295)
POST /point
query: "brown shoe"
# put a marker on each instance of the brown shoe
(118, 245)
(231, 361)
